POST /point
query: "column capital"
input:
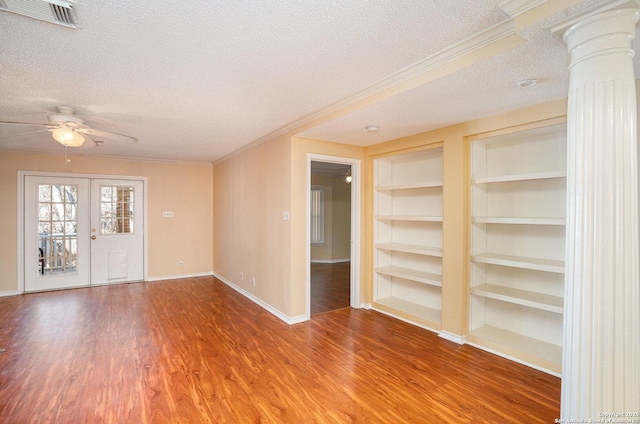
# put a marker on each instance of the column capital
(604, 41)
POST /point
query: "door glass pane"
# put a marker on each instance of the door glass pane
(57, 229)
(116, 210)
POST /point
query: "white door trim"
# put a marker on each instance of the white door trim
(355, 294)
(20, 220)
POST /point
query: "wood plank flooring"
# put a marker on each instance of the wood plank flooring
(330, 287)
(195, 351)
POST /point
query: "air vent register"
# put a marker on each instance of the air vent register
(53, 11)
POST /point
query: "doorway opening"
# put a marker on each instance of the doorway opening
(332, 272)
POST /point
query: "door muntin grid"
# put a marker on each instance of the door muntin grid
(57, 229)
(116, 210)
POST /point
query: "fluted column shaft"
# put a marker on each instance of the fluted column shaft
(601, 352)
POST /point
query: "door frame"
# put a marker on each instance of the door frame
(21, 208)
(354, 291)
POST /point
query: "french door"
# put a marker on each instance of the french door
(82, 231)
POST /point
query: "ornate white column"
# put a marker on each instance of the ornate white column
(601, 353)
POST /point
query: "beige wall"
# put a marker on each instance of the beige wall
(184, 189)
(337, 229)
(251, 191)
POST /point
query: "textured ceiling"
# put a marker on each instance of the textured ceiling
(197, 80)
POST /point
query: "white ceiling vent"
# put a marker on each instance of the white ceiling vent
(54, 11)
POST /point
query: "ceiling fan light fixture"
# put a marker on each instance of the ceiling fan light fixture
(67, 137)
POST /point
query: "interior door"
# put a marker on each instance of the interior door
(56, 233)
(81, 231)
(117, 231)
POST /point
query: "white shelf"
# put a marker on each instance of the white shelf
(409, 186)
(520, 262)
(541, 301)
(411, 248)
(544, 350)
(520, 177)
(417, 218)
(410, 308)
(518, 221)
(411, 274)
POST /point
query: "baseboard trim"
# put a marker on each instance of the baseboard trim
(177, 277)
(9, 293)
(330, 261)
(408, 321)
(261, 303)
(452, 337)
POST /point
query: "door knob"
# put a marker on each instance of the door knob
(93, 237)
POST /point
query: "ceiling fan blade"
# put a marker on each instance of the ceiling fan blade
(95, 143)
(108, 135)
(28, 132)
(24, 123)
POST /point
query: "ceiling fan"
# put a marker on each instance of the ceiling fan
(70, 130)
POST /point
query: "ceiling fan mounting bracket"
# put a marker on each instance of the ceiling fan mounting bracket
(64, 116)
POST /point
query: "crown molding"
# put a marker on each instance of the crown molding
(517, 7)
(412, 76)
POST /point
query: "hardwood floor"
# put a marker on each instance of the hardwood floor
(195, 351)
(330, 287)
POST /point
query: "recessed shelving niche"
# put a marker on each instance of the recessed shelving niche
(408, 236)
(518, 198)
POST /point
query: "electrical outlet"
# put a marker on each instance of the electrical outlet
(242, 276)
(180, 264)
(253, 281)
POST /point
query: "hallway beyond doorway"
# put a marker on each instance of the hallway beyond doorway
(329, 286)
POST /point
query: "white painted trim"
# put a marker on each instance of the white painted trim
(405, 320)
(261, 303)
(517, 7)
(74, 175)
(145, 235)
(20, 220)
(177, 277)
(330, 261)
(297, 320)
(20, 243)
(514, 359)
(356, 187)
(9, 293)
(452, 337)
(111, 157)
(366, 306)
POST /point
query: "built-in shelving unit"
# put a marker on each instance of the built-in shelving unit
(408, 236)
(518, 196)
